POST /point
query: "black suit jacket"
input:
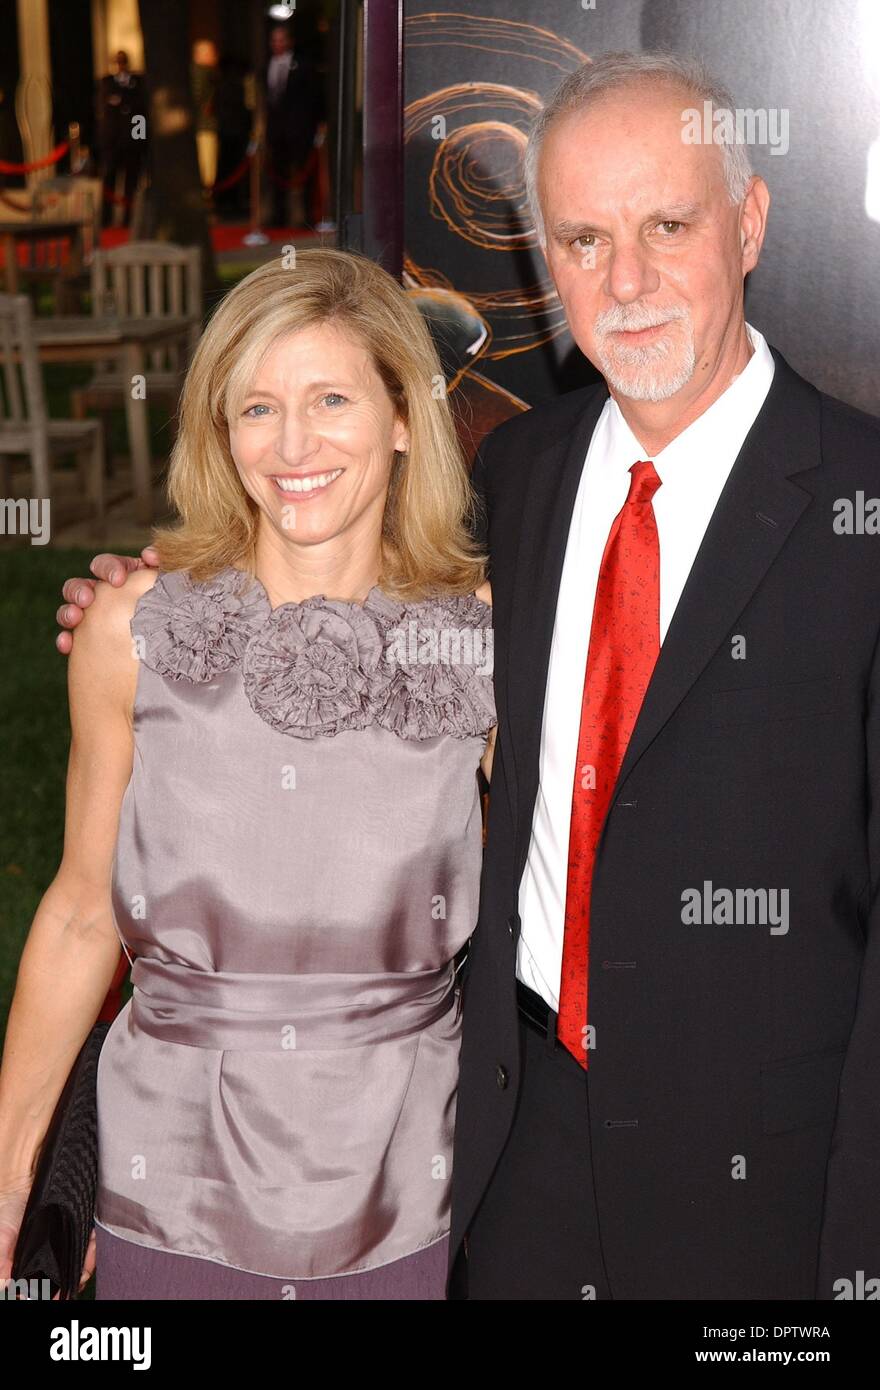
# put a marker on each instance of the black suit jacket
(716, 1045)
(292, 120)
(118, 103)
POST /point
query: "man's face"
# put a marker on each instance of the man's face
(279, 41)
(643, 244)
(205, 53)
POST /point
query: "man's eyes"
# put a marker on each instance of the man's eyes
(587, 240)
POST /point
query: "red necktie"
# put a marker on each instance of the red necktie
(624, 645)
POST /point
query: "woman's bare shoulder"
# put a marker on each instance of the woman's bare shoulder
(113, 605)
(103, 657)
(136, 584)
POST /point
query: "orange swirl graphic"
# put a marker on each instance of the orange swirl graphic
(476, 132)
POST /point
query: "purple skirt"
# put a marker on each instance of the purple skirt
(125, 1270)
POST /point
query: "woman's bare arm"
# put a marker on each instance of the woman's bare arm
(72, 949)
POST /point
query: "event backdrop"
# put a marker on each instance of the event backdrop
(475, 78)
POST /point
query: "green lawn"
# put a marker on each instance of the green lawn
(34, 739)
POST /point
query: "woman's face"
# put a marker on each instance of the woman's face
(314, 439)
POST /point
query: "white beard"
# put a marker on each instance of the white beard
(654, 371)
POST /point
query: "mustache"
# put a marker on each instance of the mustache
(631, 317)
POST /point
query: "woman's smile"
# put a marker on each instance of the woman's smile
(305, 485)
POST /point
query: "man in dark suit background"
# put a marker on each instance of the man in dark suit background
(122, 97)
(294, 110)
(671, 1037)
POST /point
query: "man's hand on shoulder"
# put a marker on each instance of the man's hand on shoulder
(80, 593)
(102, 671)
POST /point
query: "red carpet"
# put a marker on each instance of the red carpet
(225, 236)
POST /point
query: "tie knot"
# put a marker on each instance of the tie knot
(645, 482)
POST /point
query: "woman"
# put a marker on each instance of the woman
(273, 800)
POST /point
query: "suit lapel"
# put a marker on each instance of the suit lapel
(757, 510)
(755, 514)
(547, 508)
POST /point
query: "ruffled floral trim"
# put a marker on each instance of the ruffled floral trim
(316, 668)
(197, 631)
(440, 654)
(322, 666)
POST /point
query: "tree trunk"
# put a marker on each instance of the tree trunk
(174, 208)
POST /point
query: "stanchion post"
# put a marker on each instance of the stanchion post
(256, 236)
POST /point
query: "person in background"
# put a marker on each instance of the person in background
(122, 98)
(294, 112)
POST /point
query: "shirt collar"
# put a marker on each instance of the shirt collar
(725, 423)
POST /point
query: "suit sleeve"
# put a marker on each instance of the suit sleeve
(850, 1239)
(479, 530)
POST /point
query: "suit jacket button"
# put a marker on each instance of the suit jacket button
(501, 1077)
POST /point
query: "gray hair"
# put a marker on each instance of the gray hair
(611, 71)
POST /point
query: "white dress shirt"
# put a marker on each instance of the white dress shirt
(692, 469)
(279, 71)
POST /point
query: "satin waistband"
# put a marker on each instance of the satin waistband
(267, 1013)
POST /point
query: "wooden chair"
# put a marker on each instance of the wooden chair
(25, 429)
(72, 198)
(144, 279)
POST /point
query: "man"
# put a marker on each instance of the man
(672, 1001)
(685, 1104)
(122, 97)
(294, 110)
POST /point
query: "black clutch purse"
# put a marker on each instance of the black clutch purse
(59, 1215)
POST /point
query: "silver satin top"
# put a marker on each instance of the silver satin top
(297, 864)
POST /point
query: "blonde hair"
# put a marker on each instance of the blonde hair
(427, 545)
